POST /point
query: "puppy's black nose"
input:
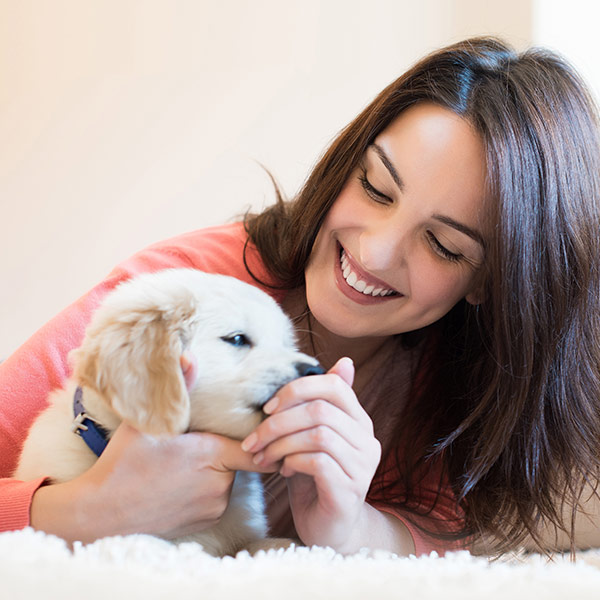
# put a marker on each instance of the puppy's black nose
(308, 369)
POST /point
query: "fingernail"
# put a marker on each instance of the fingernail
(271, 405)
(249, 442)
(258, 458)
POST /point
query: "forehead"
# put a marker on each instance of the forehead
(438, 155)
(230, 306)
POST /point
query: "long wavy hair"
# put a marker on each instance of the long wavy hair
(510, 399)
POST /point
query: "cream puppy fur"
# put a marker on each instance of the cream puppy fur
(240, 348)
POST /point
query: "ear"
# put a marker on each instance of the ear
(474, 298)
(133, 361)
(477, 293)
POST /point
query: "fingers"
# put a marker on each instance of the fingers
(322, 440)
(305, 417)
(336, 492)
(330, 387)
(344, 368)
(326, 472)
(227, 455)
(203, 450)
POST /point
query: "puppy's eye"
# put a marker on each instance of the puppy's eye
(237, 339)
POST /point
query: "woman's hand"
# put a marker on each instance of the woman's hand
(168, 487)
(324, 440)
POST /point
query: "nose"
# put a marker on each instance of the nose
(384, 244)
(307, 369)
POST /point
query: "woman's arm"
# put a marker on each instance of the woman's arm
(171, 487)
(379, 530)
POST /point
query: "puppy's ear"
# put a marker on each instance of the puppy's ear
(133, 361)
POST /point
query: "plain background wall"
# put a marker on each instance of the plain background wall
(570, 28)
(123, 122)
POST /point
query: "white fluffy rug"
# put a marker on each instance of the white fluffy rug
(35, 565)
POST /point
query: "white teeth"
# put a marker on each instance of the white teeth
(352, 279)
(358, 284)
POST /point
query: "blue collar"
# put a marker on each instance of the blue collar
(95, 436)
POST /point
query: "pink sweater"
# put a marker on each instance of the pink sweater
(40, 365)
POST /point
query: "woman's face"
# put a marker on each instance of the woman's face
(403, 242)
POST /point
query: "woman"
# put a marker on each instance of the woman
(447, 244)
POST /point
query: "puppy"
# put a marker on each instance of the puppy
(238, 350)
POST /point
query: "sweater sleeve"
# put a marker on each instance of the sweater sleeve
(420, 527)
(41, 363)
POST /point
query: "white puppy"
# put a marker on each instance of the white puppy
(240, 347)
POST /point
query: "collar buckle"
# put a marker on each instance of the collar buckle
(77, 424)
(92, 433)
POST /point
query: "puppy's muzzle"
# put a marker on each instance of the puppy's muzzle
(307, 369)
(302, 369)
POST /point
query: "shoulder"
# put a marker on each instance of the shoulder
(223, 249)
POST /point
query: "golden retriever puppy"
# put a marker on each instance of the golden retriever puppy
(238, 349)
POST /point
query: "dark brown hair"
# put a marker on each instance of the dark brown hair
(511, 399)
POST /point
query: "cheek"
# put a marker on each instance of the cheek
(437, 287)
(349, 208)
(336, 221)
(351, 204)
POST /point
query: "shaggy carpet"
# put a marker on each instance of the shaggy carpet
(35, 565)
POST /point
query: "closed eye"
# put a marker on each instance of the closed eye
(371, 191)
(237, 339)
(442, 250)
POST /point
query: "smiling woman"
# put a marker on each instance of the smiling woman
(468, 192)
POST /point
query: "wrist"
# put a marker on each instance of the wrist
(63, 509)
(378, 530)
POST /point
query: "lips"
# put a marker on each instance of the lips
(358, 285)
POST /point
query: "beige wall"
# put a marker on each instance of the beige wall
(123, 122)
(570, 28)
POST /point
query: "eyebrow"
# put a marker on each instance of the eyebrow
(472, 233)
(387, 163)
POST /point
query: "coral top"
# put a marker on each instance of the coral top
(41, 365)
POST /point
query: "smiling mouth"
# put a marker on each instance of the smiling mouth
(367, 286)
